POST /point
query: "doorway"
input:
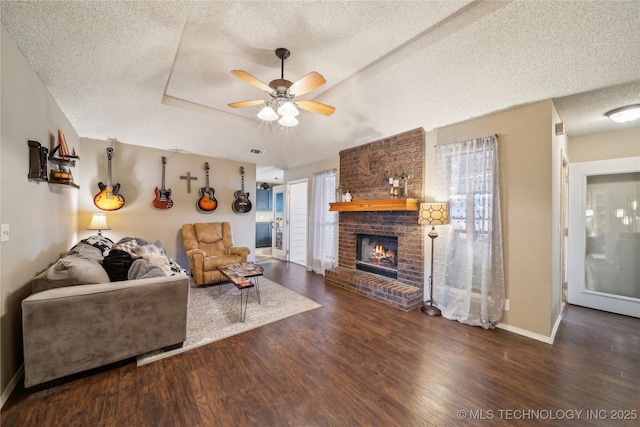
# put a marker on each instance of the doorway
(279, 241)
(298, 196)
(565, 230)
(604, 235)
(289, 241)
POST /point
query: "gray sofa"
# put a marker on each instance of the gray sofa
(84, 321)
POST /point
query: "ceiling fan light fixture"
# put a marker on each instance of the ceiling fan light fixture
(288, 110)
(267, 114)
(283, 94)
(624, 114)
(288, 121)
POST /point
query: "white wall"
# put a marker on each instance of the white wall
(139, 171)
(42, 217)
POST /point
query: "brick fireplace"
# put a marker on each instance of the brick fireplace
(365, 172)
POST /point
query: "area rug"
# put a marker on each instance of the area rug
(214, 314)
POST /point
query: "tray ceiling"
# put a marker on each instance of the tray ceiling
(157, 74)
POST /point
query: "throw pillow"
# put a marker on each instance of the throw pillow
(162, 262)
(129, 246)
(158, 243)
(143, 269)
(146, 251)
(104, 244)
(70, 270)
(117, 265)
(87, 250)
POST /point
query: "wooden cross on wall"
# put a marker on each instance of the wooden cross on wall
(189, 178)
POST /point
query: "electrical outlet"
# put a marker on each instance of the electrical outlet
(506, 305)
(4, 232)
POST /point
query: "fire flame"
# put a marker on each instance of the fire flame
(379, 251)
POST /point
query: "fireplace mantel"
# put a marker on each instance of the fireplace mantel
(375, 205)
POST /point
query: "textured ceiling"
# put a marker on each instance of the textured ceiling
(157, 74)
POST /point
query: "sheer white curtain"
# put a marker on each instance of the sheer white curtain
(469, 280)
(322, 236)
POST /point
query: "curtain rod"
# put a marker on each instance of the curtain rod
(497, 135)
(328, 170)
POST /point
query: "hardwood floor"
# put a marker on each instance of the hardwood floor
(356, 362)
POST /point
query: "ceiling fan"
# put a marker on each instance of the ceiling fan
(282, 93)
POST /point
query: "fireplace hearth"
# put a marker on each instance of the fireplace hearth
(377, 254)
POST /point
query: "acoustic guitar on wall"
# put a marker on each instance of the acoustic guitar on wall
(241, 204)
(109, 197)
(207, 201)
(163, 195)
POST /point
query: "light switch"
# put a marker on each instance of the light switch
(4, 233)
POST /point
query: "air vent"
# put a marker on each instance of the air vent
(256, 151)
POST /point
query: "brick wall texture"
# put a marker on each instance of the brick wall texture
(364, 171)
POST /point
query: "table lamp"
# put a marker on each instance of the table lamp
(98, 222)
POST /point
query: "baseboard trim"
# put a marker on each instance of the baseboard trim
(556, 326)
(528, 334)
(12, 385)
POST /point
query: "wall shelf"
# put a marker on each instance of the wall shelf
(67, 183)
(375, 205)
(67, 161)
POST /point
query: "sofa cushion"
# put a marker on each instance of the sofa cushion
(70, 270)
(212, 263)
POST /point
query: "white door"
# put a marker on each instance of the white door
(604, 235)
(279, 241)
(298, 195)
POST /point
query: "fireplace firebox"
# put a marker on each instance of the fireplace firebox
(377, 254)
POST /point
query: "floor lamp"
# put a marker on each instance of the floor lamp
(432, 214)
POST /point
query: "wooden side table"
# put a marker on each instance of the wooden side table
(244, 276)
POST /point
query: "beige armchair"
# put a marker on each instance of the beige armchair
(208, 246)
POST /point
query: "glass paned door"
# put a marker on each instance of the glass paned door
(604, 235)
(280, 239)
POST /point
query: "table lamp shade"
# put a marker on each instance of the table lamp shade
(433, 214)
(98, 222)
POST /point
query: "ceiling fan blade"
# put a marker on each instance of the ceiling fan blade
(243, 75)
(246, 103)
(306, 84)
(315, 107)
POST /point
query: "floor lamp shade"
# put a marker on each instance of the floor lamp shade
(432, 214)
(98, 222)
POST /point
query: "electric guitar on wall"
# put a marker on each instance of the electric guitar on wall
(241, 204)
(207, 202)
(109, 197)
(163, 196)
